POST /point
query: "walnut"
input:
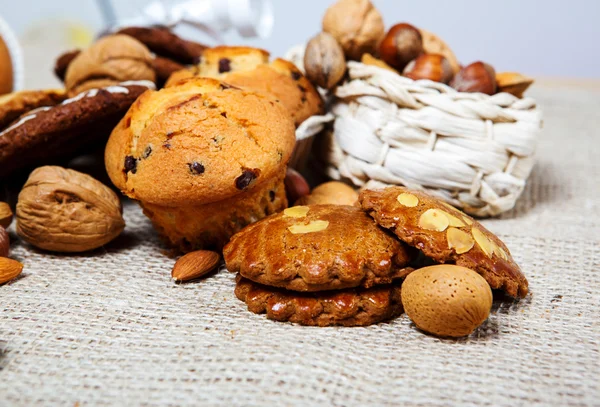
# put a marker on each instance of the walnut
(324, 61)
(110, 60)
(66, 211)
(356, 24)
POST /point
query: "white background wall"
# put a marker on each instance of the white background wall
(536, 37)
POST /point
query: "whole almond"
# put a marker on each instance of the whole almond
(9, 269)
(446, 300)
(6, 215)
(195, 264)
(4, 242)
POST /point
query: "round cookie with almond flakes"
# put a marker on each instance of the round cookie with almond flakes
(317, 248)
(445, 234)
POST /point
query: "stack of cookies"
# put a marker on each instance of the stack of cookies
(319, 265)
(344, 265)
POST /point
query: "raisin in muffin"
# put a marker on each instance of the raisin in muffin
(249, 68)
(203, 158)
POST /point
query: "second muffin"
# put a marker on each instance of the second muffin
(203, 158)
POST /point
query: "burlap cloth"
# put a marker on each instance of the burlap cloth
(111, 328)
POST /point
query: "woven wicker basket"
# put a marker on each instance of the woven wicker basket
(473, 150)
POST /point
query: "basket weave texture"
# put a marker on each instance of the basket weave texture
(473, 150)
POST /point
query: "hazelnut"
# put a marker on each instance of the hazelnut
(434, 67)
(477, 77)
(324, 61)
(432, 44)
(333, 192)
(446, 300)
(513, 83)
(295, 185)
(402, 44)
(356, 25)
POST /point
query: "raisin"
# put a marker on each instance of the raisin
(130, 164)
(296, 75)
(247, 177)
(167, 145)
(147, 152)
(302, 88)
(272, 195)
(224, 65)
(224, 114)
(196, 168)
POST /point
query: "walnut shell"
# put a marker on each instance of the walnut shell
(324, 61)
(356, 25)
(432, 44)
(110, 60)
(513, 83)
(63, 210)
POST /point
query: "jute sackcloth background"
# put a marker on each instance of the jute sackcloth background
(111, 328)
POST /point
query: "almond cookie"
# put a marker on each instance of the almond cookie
(203, 158)
(445, 234)
(349, 307)
(49, 133)
(249, 68)
(317, 248)
(16, 104)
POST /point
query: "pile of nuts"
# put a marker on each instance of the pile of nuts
(354, 30)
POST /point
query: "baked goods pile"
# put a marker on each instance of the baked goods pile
(203, 158)
(201, 138)
(344, 265)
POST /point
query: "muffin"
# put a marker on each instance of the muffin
(249, 68)
(203, 158)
